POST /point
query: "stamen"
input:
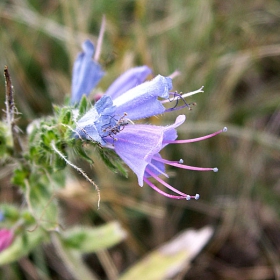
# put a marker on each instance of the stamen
(181, 161)
(164, 193)
(192, 92)
(195, 139)
(176, 97)
(164, 183)
(184, 196)
(185, 95)
(215, 169)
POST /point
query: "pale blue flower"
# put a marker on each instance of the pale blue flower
(110, 116)
(128, 80)
(86, 73)
(129, 98)
(139, 146)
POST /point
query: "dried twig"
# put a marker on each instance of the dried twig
(11, 110)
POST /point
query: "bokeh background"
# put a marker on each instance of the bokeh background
(232, 48)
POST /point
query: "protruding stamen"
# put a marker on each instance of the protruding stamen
(192, 92)
(196, 139)
(186, 95)
(184, 196)
(185, 166)
(175, 98)
(164, 183)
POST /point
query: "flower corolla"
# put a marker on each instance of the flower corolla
(110, 123)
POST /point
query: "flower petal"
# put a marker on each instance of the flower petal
(6, 238)
(91, 125)
(138, 144)
(86, 73)
(155, 167)
(128, 80)
(142, 101)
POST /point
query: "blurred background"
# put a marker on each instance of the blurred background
(232, 48)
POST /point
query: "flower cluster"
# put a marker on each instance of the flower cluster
(130, 98)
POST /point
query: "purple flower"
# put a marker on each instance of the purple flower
(128, 80)
(6, 238)
(129, 98)
(139, 147)
(86, 73)
(109, 116)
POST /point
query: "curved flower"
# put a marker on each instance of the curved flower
(6, 238)
(139, 147)
(109, 116)
(129, 98)
(86, 73)
(128, 80)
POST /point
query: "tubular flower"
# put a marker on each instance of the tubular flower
(6, 238)
(139, 147)
(86, 73)
(108, 116)
(128, 80)
(110, 123)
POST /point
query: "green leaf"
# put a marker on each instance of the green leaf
(113, 162)
(66, 118)
(88, 240)
(84, 105)
(78, 149)
(20, 175)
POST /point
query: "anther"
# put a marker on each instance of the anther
(181, 161)
(189, 197)
(215, 169)
(225, 129)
